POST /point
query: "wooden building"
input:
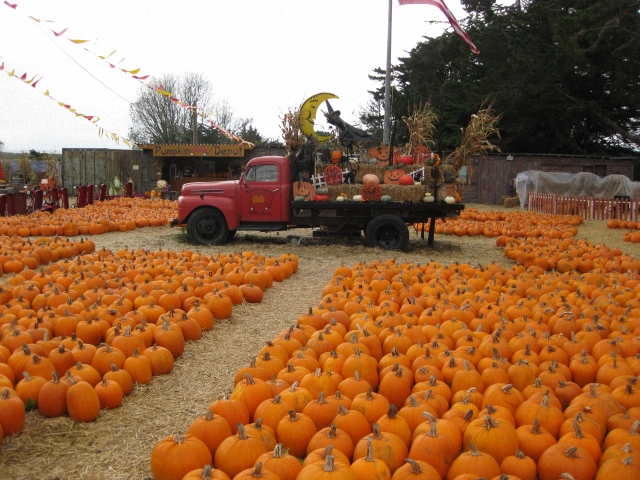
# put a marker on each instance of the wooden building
(84, 166)
(492, 177)
(177, 164)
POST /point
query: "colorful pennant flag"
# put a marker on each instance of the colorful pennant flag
(452, 20)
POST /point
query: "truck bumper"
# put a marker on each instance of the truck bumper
(173, 222)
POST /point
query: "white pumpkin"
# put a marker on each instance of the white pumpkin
(449, 200)
(357, 198)
(340, 198)
(429, 199)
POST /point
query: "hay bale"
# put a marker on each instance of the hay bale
(512, 202)
(379, 170)
(411, 194)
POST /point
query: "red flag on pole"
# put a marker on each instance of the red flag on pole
(452, 20)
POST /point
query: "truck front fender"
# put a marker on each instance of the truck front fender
(226, 206)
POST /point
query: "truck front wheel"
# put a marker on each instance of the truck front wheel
(207, 227)
(387, 232)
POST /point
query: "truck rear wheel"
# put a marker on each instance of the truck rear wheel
(207, 227)
(387, 232)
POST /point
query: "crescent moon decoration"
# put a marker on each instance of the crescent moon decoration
(308, 112)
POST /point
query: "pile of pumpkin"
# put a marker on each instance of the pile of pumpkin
(566, 255)
(432, 372)
(119, 214)
(631, 235)
(471, 222)
(16, 253)
(78, 335)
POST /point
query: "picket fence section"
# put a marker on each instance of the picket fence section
(586, 207)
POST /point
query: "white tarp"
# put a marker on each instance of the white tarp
(582, 184)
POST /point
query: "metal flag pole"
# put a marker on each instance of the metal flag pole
(387, 85)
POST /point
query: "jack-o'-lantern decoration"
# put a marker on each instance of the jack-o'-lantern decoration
(305, 190)
(372, 192)
(379, 153)
(259, 198)
(333, 175)
(336, 156)
(392, 176)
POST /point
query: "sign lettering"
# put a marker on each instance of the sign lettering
(197, 150)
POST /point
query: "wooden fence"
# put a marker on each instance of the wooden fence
(587, 207)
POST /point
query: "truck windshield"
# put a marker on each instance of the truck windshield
(262, 173)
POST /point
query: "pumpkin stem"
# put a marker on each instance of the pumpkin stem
(242, 432)
(490, 422)
(473, 450)
(535, 428)
(571, 452)
(370, 396)
(328, 464)
(278, 451)
(328, 450)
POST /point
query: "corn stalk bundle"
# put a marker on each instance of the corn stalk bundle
(25, 169)
(475, 139)
(52, 168)
(291, 131)
(421, 126)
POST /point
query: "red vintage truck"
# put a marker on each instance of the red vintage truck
(262, 200)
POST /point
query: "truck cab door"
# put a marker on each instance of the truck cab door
(261, 195)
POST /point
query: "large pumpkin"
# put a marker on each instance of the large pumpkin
(372, 192)
(175, 456)
(406, 160)
(370, 178)
(405, 180)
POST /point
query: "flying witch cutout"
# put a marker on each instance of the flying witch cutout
(348, 135)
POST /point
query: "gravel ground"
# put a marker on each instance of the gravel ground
(118, 445)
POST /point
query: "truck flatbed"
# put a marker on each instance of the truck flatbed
(349, 214)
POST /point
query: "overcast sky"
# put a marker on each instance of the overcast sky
(262, 56)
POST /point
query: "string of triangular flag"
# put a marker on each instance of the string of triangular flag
(134, 74)
(32, 82)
